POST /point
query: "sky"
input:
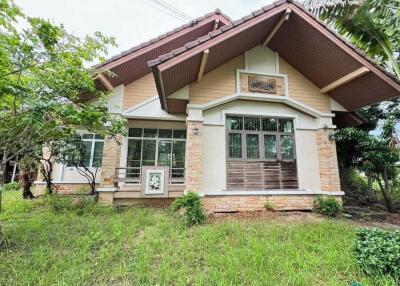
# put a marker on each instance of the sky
(131, 22)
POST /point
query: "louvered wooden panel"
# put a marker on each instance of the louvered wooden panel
(248, 175)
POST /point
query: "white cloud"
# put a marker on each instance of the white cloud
(129, 21)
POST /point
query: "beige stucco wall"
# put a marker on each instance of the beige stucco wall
(139, 91)
(214, 142)
(221, 82)
(216, 84)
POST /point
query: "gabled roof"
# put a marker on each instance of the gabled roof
(132, 64)
(303, 41)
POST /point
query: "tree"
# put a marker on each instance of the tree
(28, 169)
(44, 71)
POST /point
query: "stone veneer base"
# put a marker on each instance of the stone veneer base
(226, 204)
(65, 188)
(217, 204)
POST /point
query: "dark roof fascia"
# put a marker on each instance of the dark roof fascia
(160, 88)
(221, 16)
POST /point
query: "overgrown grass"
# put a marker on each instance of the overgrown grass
(133, 246)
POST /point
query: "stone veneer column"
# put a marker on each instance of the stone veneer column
(111, 158)
(328, 164)
(194, 157)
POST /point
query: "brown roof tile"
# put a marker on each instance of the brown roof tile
(160, 37)
(265, 9)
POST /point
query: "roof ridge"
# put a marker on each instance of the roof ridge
(162, 36)
(165, 57)
(162, 58)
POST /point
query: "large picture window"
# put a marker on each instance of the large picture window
(260, 138)
(156, 147)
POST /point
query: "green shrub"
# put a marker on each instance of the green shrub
(357, 182)
(78, 206)
(327, 206)
(13, 186)
(190, 207)
(378, 252)
(269, 206)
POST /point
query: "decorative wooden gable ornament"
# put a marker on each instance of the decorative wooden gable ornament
(262, 84)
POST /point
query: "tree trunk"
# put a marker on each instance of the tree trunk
(3, 171)
(26, 186)
(47, 171)
(385, 192)
(369, 185)
(344, 177)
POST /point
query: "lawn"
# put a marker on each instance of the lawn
(48, 245)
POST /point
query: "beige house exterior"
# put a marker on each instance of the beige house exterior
(241, 126)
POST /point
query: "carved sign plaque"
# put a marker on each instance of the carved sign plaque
(262, 84)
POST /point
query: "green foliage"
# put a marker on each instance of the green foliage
(49, 249)
(378, 252)
(13, 186)
(327, 206)
(357, 182)
(190, 205)
(46, 86)
(269, 206)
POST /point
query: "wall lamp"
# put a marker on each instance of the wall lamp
(195, 131)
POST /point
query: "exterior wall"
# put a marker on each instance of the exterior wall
(301, 89)
(307, 160)
(65, 188)
(257, 203)
(214, 158)
(217, 83)
(194, 157)
(138, 91)
(328, 164)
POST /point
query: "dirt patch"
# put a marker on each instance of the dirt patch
(290, 216)
(391, 221)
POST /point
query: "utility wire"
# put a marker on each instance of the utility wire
(169, 9)
(172, 9)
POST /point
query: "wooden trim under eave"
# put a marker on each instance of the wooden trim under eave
(105, 81)
(203, 64)
(345, 79)
(351, 52)
(284, 18)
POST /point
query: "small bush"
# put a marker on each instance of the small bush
(13, 186)
(269, 206)
(327, 206)
(190, 207)
(378, 252)
(78, 206)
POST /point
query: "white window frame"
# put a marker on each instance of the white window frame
(93, 140)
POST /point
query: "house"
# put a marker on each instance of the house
(241, 112)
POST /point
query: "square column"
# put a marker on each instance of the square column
(328, 163)
(194, 157)
(111, 160)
